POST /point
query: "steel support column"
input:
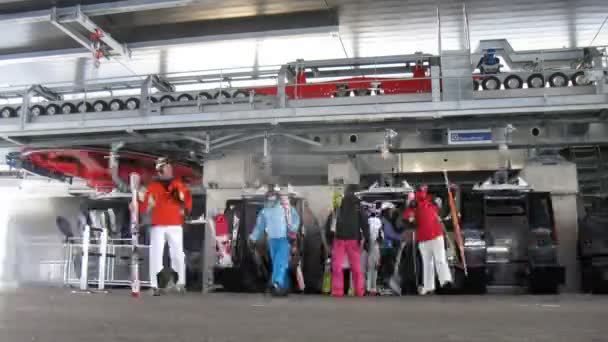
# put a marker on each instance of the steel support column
(24, 112)
(282, 80)
(435, 79)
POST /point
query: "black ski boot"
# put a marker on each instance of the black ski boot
(180, 289)
(277, 291)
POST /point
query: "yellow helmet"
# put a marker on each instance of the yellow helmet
(336, 199)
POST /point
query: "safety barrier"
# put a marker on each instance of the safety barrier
(110, 258)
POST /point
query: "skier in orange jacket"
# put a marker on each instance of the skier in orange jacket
(170, 202)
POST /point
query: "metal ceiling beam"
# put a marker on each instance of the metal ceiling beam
(550, 134)
(302, 139)
(136, 134)
(93, 10)
(79, 17)
(26, 17)
(321, 129)
(27, 57)
(237, 140)
(44, 92)
(344, 62)
(133, 6)
(324, 22)
(279, 25)
(265, 135)
(82, 40)
(128, 137)
(160, 82)
(225, 137)
(358, 71)
(74, 53)
(12, 141)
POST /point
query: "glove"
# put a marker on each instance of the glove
(141, 194)
(177, 195)
(187, 216)
(438, 202)
(292, 236)
(411, 196)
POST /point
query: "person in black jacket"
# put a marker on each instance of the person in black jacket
(351, 227)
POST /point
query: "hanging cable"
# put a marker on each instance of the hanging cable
(598, 31)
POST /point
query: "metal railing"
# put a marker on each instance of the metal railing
(274, 87)
(100, 261)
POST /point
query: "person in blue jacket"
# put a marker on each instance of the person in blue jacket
(391, 237)
(280, 225)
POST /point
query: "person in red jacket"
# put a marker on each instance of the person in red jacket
(429, 235)
(223, 239)
(170, 202)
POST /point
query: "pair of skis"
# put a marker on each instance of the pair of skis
(298, 246)
(456, 223)
(134, 183)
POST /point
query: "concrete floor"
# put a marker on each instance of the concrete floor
(59, 316)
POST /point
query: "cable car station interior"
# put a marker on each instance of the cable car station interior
(347, 169)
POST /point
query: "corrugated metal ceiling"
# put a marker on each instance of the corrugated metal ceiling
(366, 28)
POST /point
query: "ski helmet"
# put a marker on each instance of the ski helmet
(271, 196)
(161, 162)
(285, 203)
(336, 199)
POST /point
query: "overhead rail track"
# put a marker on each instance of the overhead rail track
(365, 91)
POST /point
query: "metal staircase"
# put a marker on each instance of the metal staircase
(591, 173)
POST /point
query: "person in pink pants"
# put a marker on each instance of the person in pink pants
(351, 227)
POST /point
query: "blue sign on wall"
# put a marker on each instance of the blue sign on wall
(469, 136)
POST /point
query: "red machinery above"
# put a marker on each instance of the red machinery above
(303, 80)
(359, 86)
(93, 166)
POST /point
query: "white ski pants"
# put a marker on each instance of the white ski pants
(372, 261)
(433, 258)
(174, 236)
